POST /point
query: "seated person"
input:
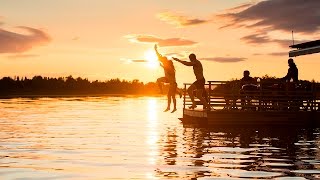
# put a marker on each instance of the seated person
(292, 72)
(248, 84)
(247, 79)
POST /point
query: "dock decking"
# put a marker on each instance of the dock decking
(261, 106)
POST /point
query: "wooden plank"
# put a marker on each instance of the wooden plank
(249, 118)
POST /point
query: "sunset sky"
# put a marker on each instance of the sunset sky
(103, 39)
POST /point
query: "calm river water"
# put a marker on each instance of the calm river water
(131, 138)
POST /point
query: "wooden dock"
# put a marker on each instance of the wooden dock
(261, 107)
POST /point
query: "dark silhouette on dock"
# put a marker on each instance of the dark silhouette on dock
(248, 88)
(198, 85)
(292, 72)
(170, 78)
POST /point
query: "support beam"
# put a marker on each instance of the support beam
(304, 51)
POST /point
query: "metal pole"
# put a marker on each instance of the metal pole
(292, 39)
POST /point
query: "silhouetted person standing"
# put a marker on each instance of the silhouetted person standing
(292, 72)
(198, 85)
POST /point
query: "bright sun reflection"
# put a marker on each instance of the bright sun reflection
(153, 134)
(152, 58)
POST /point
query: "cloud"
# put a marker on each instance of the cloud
(76, 38)
(224, 59)
(22, 56)
(138, 60)
(261, 38)
(160, 41)
(240, 8)
(302, 16)
(256, 39)
(180, 20)
(12, 42)
(1, 22)
(129, 61)
(279, 54)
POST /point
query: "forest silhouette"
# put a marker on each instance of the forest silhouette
(51, 86)
(39, 85)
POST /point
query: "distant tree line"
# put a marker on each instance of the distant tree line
(39, 85)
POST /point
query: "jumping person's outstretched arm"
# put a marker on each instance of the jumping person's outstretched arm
(186, 63)
(158, 54)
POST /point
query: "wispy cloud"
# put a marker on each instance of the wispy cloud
(1, 20)
(22, 56)
(160, 41)
(240, 8)
(129, 61)
(179, 20)
(301, 16)
(224, 59)
(12, 42)
(279, 54)
(177, 55)
(261, 39)
(138, 60)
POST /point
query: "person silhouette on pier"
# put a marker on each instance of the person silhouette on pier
(198, 85)
(248, 87)
(292, 72)
(170, 77)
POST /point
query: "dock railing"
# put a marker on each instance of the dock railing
(261, 96)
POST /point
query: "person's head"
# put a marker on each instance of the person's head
(246, 73)
(192, 57)
(290, 61)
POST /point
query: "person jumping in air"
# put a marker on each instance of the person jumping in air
(198, 85)
(170, 77)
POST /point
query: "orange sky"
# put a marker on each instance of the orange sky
(98, 38)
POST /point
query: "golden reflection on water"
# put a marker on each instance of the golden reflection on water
(131, 138)
(153, 134)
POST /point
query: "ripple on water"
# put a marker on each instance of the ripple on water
(306, 171)
(239, 173)
(110, 138)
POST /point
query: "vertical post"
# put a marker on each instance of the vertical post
(209, 94)
(314, 97)
(260, 97)
(184, 97)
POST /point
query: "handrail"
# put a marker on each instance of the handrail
(272, 95)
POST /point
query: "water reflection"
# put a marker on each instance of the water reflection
(241, 153)
(153, 134)
(131, 138)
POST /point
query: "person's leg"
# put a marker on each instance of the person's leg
(160, 81)
(205, 95)
(178, 91)
(190, 90)
(199, 84)
(173, 95)
(168, 102)
(174, 103)
(202, 99)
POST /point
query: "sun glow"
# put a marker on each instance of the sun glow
(151, 59)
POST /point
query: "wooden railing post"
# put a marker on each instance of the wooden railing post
(314, 97)
(209, 94)
(184, 96)
(260, 97)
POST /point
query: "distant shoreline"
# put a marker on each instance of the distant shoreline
(77, 95)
